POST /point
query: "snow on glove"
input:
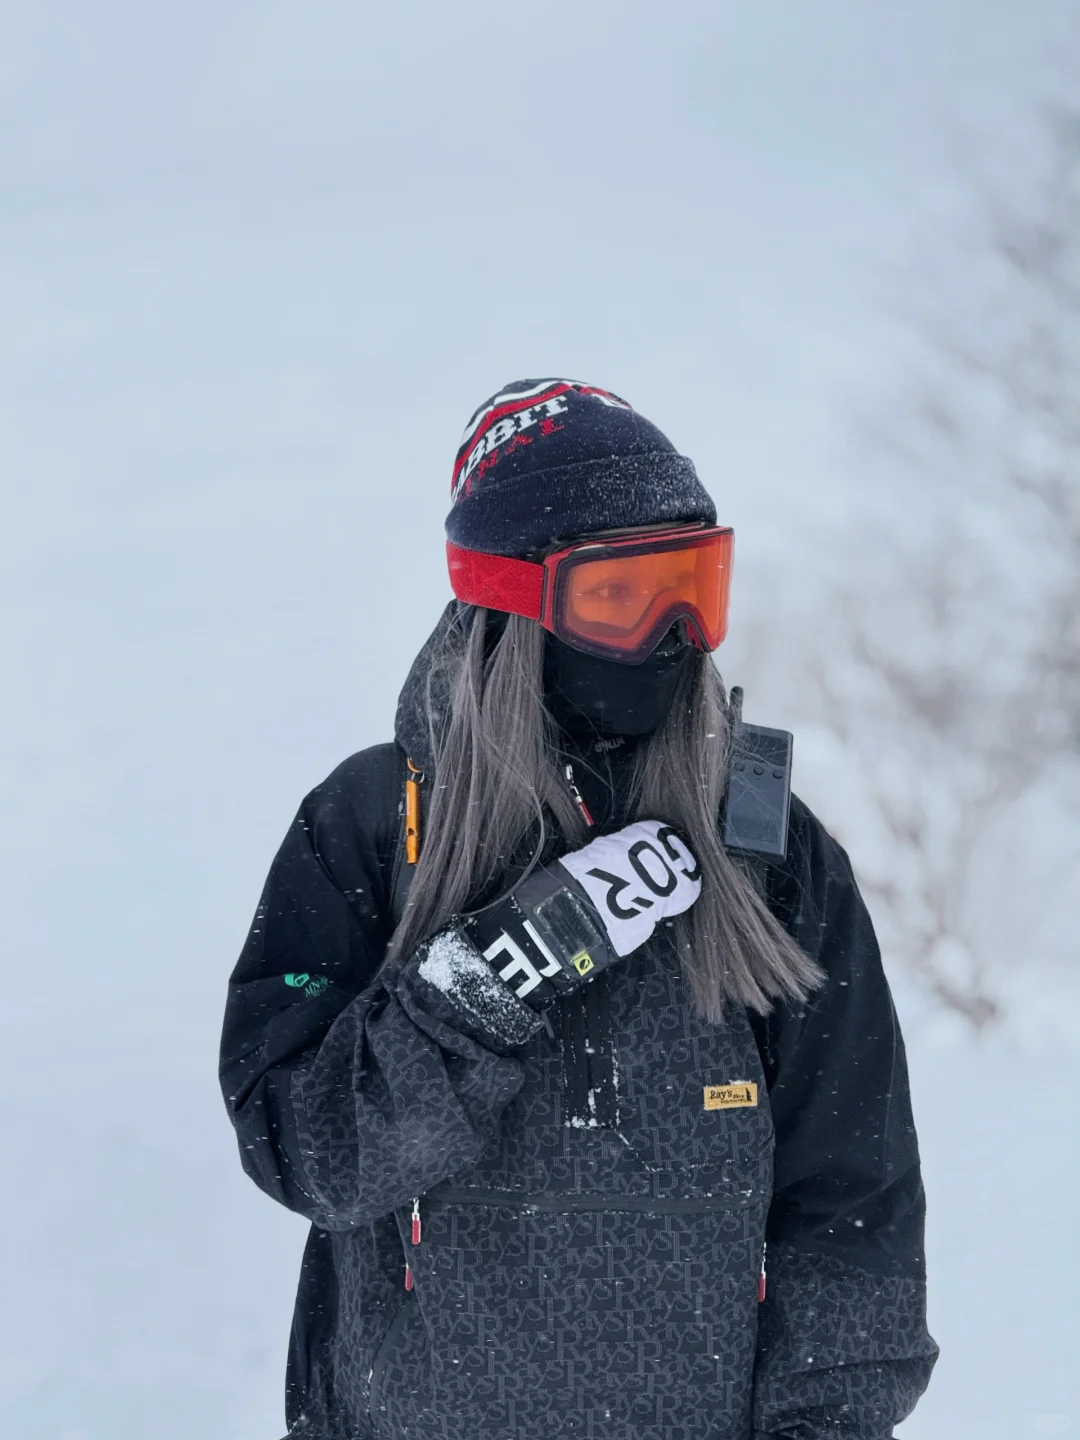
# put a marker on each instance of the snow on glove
(563, 925)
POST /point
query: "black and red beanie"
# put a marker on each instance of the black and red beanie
(548, 460)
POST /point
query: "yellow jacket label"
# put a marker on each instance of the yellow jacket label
(727, 1097)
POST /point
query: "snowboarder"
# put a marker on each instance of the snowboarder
(543, 1061)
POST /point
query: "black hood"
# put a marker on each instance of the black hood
(412, 728)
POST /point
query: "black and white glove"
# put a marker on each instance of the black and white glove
(500, 969)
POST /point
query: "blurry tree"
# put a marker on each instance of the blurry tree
(958, 691)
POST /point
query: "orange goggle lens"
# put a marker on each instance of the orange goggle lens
(622, 596)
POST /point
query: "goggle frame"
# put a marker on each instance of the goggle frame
(536, 589)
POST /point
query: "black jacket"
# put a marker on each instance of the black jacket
(593, 1221)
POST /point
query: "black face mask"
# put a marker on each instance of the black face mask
(583, 691)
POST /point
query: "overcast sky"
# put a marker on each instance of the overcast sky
(258, 263)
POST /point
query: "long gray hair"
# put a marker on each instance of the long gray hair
(496, 785)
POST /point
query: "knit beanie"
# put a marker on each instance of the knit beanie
(549, 460)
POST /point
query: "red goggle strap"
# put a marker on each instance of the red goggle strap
(498, 582)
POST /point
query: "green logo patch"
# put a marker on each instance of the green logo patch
(311, 985)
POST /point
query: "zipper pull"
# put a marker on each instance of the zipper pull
(412, 813)
(576, 793)
(761, 1277)
(415, 1240)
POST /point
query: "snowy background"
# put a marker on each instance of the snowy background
(258, 262)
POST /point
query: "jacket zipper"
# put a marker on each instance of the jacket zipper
(580, 1204)
(588, 1043)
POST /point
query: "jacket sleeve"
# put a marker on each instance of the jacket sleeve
(843, 1348)
(348, 1098)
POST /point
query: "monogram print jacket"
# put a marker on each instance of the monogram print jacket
(637, 1226)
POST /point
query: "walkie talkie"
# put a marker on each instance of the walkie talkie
(759, 785)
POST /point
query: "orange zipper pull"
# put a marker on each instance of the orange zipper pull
(408, 1276)
(412, 813)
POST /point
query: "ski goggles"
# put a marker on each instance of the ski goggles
(616, 595)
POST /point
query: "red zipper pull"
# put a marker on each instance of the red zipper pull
(576, 793)
(415, 1240)
(761, 1277)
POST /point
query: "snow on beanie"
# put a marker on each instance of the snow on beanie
(548, 460)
